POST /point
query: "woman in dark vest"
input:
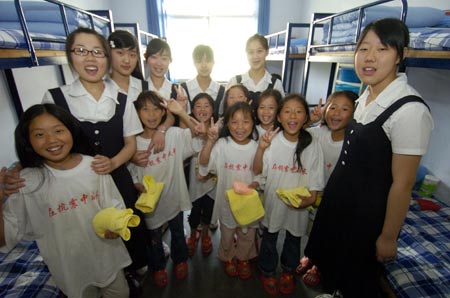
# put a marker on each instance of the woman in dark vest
(367, 196)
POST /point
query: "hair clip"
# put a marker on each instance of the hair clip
(112, 44)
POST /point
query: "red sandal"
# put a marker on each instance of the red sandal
(305, 265)
(286, 283)
(181, 270)
(191, 243)
(230, 268)
(312, 277)
(160, 278)
(270, 284)
(207, 245)
(244, 269)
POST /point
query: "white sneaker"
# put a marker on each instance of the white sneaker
(324, 296)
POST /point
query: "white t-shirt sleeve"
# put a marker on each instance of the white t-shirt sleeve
(212, 165)
(109, 194)
(131, 122)
(15, 220)
(410, 129)
(316, 168)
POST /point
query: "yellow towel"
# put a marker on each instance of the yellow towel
(147, 200)
(289, 196)
(245, 208)
(115, 220)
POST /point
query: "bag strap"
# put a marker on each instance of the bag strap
(218, 101)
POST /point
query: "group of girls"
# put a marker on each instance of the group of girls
(268, 147)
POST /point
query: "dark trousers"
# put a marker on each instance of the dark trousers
(201, 212)
(178, 247)
(137, 243)
(268, 254)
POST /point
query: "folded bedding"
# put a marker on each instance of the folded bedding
(418, 19)
(417, 16)
(14, 39)
(39, 11)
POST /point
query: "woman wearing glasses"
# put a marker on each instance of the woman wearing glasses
(109, 120)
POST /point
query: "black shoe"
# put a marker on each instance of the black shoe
(134, 285)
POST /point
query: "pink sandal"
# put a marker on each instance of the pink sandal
(312, 277)
(305, 265)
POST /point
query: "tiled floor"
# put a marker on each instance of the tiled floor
(207, 279)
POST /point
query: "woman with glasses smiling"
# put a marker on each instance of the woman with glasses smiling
(109, 120)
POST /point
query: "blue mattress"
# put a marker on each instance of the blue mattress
(422, 268)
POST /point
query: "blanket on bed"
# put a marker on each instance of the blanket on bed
(23, 273)
(422, 267)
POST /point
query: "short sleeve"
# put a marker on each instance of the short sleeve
(410, 129)
(131, 122)
(109, 194)
(213, 160)
(15, 220)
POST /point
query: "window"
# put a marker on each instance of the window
(223, 25)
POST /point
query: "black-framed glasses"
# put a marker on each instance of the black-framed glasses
(97, 53)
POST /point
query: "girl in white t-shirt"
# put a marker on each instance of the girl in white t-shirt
(338, 111)
(287, 160)
(56, 207)
(201, 189)
(230, 158)
(167, 167)
(266, 110)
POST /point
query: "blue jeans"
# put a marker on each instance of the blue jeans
(268, 254)
(178, 247)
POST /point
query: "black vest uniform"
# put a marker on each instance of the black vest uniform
(351, 215)
(106, 141)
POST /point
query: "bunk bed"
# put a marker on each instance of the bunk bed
(338, 34)
(295, 39)
(142, 37)
(422, 268)
(32, 34)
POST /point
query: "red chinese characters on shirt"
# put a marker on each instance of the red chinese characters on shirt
(238, 167)
(72, 204)
(288, 169)
(160, 158)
